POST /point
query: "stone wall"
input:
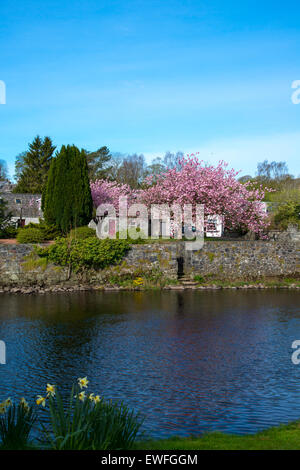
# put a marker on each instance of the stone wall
(217, 259)
(222, 259)
(245, 259)
(292, 234)
(19, 267)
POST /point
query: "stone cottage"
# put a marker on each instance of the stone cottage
(26, 208)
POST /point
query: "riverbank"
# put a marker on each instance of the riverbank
(285, 437)
(288, 283)
(230, 264)
(148, 285)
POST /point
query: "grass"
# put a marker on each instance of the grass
(33, 261)
(145, 284)
(284, 437)
(145, 280)
(266, 282)
(155, 282)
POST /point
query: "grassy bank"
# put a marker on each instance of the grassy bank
(156, 279)
(285, 437)
(146, 284)
(289, 282)
(147, 281)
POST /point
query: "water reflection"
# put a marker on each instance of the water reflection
(190, 361)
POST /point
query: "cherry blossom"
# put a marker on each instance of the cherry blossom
(217, 188)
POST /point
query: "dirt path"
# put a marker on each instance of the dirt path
(8, 241)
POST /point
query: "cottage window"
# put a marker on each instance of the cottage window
(18, 201)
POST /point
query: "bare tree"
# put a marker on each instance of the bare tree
(169, 160)
(19, 165)
(272, 171)
(114, 165)
(3, 171)
(172, 160)
(132, 170)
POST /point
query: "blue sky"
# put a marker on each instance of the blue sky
(151, 76)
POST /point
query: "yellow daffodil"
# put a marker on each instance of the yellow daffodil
(97, 399)
(4, 405)
(83, 382)
(24, 403)
(91, 397)
(41, 400)
(7, 402)
(81, 396)
(2, 408)
(138, 281)
(50, 390)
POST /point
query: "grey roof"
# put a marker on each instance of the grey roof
(24, 206)
(6, 186)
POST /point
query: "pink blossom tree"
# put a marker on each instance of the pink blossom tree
(109, 192)
(216, 188)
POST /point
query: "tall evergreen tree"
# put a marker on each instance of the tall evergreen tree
(98, 163)
(67, 200)
(32, 167)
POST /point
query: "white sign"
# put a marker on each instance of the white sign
(214, 226)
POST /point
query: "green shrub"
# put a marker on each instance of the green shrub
(32, 225)
(199, 278)
(81, 233)
(8, 232)
(50, 232)
(16, 422)
(288, 213)
(85, 254)
(30, 235)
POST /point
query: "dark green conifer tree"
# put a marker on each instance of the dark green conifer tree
(67, 200)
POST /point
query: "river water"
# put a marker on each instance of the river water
(189, 361)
